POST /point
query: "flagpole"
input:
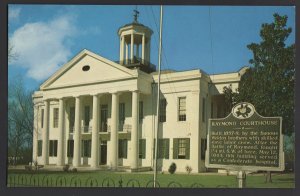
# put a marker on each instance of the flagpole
(158, 99)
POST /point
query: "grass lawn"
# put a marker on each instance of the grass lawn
(117, 179)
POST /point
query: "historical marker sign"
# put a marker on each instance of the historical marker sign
(246, 141)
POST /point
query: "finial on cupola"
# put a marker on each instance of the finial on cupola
(136, 14)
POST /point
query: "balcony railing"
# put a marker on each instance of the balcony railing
(125, 127)
(103, 128)
(144, 65)
(86, 129)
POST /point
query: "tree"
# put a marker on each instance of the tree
(269, 82)
(12, 55)
(20, 119)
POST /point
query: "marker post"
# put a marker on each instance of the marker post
(241, 176)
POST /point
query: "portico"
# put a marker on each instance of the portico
(93, 130)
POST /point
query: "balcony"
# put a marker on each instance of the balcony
(125, 131)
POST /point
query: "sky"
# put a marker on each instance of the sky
(211, 38)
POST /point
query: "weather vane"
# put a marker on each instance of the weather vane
(136, 14)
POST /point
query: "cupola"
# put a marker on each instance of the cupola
(135, 39)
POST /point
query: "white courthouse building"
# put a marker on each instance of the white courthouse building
(98, 113)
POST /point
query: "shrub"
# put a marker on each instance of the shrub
(66, 168)
(188, 169)
(172, 168)
(28, 167)
(74, 170)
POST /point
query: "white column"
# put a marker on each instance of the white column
(35, 133)
(143, 48)
(122, 40)
(131, 48)
(61, 134)
(95, 132)
(126, 54)
(114, 130)
(134, 132)
(77, 133)
(45, 151)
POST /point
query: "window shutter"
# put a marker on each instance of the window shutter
(119, 149)
(140, 149)
(187, 149)
(50, 145)
(55, 148)
(167, 143)
(82, 148)
(40, 146)
(175, 148)
(90, 148)
(125, 148)
(42, 118)
(143, 148)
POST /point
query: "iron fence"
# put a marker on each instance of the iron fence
(40, 180)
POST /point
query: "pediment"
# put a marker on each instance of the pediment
(87, 68)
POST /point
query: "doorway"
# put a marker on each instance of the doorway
(103, 153)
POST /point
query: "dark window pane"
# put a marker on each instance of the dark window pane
(162, 110)
(55, 117)
(182, 109)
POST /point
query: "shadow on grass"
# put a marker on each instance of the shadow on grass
(286, 179)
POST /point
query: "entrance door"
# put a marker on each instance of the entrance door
(103, 153)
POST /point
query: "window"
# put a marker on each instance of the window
(86, 118)
(72, 119)
(162, 110)
(55, 117)
(86, 68)
(182, 109)
(141, 111)
(123, 148)
(70, 148)
(40, 147)
(181, 148)
(42, 123)
(203, 148)
(103, 117)
(121, 116)
(203, 110)
(86, 148)
(142, 148)
(53, 148)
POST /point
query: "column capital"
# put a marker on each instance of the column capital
(136, 91)
(97, 94)
(115, 92)
(77, 96)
